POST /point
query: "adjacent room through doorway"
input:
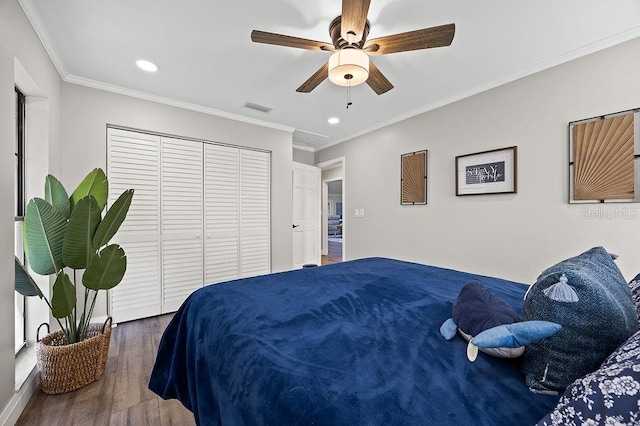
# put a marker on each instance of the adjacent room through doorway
(335, 223)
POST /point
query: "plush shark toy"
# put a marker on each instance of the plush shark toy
(490, 325)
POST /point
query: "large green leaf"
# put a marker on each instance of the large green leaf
(95, 184)
(113, 219)
(83, 222)
(43, 235)
(24, 283)
(105, 270)
(63, 301)
(56, 195)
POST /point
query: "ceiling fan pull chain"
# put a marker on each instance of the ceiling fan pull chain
(349, 103)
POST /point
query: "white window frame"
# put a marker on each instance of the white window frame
(19, 210)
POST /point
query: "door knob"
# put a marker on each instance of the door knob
(295, 226)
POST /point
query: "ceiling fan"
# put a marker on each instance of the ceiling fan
(349, 64)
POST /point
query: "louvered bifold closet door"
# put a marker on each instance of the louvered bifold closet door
(181, 220)
(222, 213)
(255, 213)
(133, 162)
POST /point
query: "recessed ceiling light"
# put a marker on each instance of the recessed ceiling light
(146, 65)
(333, 120)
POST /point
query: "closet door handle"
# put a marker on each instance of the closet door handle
(295, 226)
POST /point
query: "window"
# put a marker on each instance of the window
(19, 208)
(19, 201)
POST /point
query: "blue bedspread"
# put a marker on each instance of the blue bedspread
(356, 343)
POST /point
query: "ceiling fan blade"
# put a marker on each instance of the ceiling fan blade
(354, 17)
(413, 40)
(314, 80)
(289, 41)
(377, 81)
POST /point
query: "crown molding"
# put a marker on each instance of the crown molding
(569, 56)
(94, 84)
(303, 147)
(42, 33)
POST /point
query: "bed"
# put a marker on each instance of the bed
(355, 343)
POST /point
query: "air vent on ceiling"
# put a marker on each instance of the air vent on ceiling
(309, 139)
(257, 107)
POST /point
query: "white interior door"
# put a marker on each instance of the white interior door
(201, 213)
(134, 162)
(182, 222)
(255, 213)
(306, 215)
(222, 213)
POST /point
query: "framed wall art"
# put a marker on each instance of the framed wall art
(604, 156)
(487, 172)
(413, 179)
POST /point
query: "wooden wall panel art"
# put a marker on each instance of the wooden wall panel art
(603, 161)
(414, 178)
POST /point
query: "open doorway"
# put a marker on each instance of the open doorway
(334, 221)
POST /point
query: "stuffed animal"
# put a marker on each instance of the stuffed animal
(489, 324)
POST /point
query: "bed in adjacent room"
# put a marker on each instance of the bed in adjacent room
(348, 344)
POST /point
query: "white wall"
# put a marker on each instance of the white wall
(87, 112)
(334, 199)
(7, 34)
(513, 236)
(19, 41)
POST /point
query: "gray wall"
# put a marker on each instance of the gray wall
(87, 112)
(18, 40)
(332, 174)
(513, 236)
(302, 156)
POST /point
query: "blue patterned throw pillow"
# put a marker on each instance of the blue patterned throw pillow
(588, 296)
(634, 286)
(608, 396)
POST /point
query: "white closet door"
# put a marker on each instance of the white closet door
(255, 213)
(134, 162)
(222, 213)
(181, 220)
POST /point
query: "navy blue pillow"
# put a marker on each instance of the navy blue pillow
(477, 309)
(608, 396)
(588, 296)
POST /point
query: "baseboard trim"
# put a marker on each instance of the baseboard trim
(18, 402)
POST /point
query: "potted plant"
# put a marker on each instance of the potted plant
(63, 232)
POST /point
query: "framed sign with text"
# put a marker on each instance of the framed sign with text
(487, 172)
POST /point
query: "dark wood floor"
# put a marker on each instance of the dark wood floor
(121, 396)
(334, 255)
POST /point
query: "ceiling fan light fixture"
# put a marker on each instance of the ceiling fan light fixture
(348, 67)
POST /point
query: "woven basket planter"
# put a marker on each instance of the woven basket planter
(66, 367)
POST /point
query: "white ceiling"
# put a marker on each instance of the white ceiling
(208, 62)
